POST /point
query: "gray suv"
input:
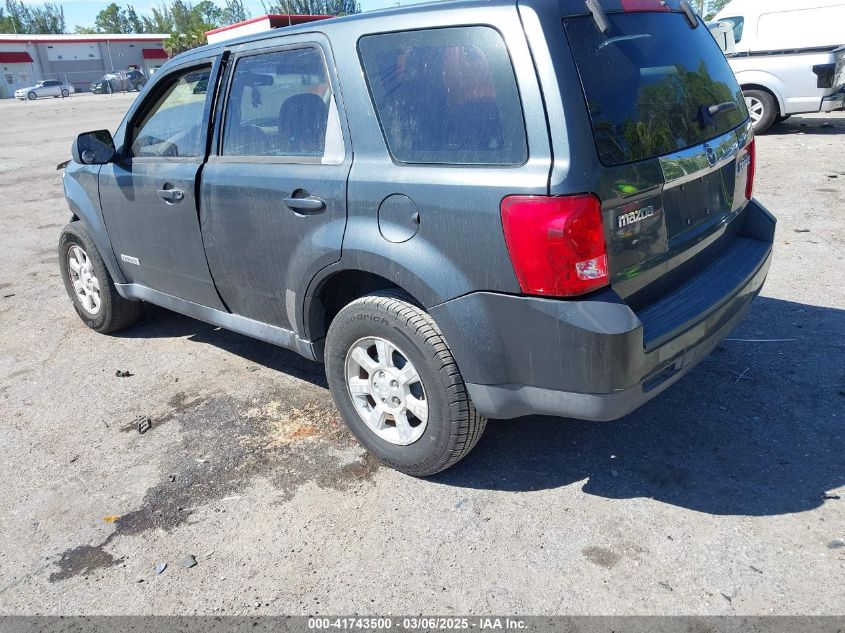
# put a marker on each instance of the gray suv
(464, 209)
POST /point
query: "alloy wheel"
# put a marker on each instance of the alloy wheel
(85, 282)
(756, 110)
(386, 390)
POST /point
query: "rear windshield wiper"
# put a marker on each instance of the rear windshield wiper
(707, 114)
(727, 106)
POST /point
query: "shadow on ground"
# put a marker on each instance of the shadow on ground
(756, 429)
(808, 125)
(160, 323)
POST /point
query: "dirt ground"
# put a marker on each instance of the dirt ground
(722, 496)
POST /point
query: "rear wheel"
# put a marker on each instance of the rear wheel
(762, 109)
(89, 284)
(397, 385)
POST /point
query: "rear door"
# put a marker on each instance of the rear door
(670, 128)
(274, 191)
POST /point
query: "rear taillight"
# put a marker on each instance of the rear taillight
(749, 174)
(556, 244)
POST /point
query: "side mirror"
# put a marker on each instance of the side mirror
(93, 148)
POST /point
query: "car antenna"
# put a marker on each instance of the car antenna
(598, 15)
(689, 13)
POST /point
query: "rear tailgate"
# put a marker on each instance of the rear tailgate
(671, 132)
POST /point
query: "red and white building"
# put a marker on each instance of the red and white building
(75, 59)
(258, 25)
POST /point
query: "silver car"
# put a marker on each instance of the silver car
(45, 88)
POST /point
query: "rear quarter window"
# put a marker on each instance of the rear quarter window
(446, 96)
(648, 83)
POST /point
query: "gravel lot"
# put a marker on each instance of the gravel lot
(721, 496)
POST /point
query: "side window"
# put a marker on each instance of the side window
(446, 96)
(738, 24)
(281, 104)
(173, 125)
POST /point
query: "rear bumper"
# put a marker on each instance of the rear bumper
(834, 102)
(597, 359)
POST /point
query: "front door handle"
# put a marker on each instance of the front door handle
(170, 194)
(306, 204)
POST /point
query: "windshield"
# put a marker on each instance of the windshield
(650, 82)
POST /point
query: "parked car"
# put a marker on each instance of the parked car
(45, 88)
(789, 56)
(546, 211)
(136, 79)
(119, 82)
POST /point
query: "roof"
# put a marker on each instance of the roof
(9, 38)
(276, 20)
(434, 6)
(154, 53)
(15, 57)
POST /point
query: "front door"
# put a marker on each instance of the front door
(148, 194)
(274, 189)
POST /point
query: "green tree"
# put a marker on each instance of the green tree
(110, 20)
(159, 22)
(235, 11)
(132, 21)
(22, 18)
(313, 7)
(709, 8)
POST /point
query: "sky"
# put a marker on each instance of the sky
(83, 12)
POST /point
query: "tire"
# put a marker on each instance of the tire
(65, 92)
(452, 426)
(32, 96)
(114, 312)
(762, 108)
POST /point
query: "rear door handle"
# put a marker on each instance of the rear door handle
(169, 194)
(307, 204)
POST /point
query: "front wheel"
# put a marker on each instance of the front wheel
(32, 96)
(65, 92)
(396, 383)
(762, 109)
(89, 284)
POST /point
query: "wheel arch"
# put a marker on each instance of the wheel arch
(334, 289)
(84, 210)
(763, 81)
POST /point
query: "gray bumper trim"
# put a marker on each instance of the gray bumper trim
(514, 401)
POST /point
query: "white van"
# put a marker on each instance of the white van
(789, 56)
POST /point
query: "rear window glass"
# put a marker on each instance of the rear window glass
(446, 96)
(649, 82)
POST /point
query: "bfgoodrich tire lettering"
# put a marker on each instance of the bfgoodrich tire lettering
(453, 426)
(114, 312)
